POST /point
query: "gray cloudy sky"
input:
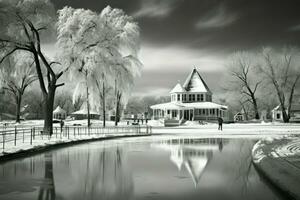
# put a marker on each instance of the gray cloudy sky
(180, 34)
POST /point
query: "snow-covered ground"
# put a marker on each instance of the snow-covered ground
(28, 138)
(40, 142)
(190, 129)
(67, 123)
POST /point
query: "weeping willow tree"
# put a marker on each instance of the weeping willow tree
(101, 46)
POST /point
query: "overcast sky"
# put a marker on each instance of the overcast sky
(178, 35)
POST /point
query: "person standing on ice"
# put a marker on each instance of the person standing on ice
(61, 125)
(220, 121)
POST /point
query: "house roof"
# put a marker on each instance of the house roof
(84, 112)
(179, 105)
(58, 109)
(195, 83)
(178, 88)
(294, 107)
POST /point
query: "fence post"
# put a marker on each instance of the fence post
(31, 136)
(15, 135)
(3, 140)
(23, 136)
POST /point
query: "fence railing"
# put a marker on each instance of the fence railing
(14, 136)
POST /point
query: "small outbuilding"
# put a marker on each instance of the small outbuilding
(59, 113)
(82, 114)
(238, 117)
(294, 113)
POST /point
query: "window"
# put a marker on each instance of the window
(198, 97)
(208, 98)
(184, 97)
(200, 111)
(178, 97)
(201, 97)
(278, 116)
(190, 97)
(193, 97)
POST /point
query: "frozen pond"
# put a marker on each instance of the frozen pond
(143, 168)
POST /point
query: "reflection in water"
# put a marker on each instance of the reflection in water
(47, 187)
(168, 169)
(93, 174)
(193, 154)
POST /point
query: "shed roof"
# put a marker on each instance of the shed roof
(84, 112)
(58, 110)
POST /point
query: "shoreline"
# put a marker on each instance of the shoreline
(275, 166)
(23, 153)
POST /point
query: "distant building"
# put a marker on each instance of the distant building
(83, 113)
(59, 113)
(294, 113)
(192, 101)
(239, 117)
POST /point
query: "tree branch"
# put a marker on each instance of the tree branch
(59, 85)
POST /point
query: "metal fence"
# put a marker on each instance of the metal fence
(14, 136)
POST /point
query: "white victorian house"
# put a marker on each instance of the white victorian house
(191, 101)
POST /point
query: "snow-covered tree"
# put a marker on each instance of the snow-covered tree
(16, 74)
(100, 47)
(76, 30)
(24, 23)
(125, 65)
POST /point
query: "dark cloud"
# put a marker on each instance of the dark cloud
(240, 23)
(187, 28)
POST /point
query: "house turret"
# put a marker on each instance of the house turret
(194, 89)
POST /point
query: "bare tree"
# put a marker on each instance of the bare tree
(242, 69)
(281, 70)
(27, 21)
(16, 75)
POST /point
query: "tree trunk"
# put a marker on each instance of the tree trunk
(255, 106)
(87, 102)
(48, 100)
(18, 107)
(103, 103)
(285, 116)
(117, 111)
(290, 102)
(118, 98)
